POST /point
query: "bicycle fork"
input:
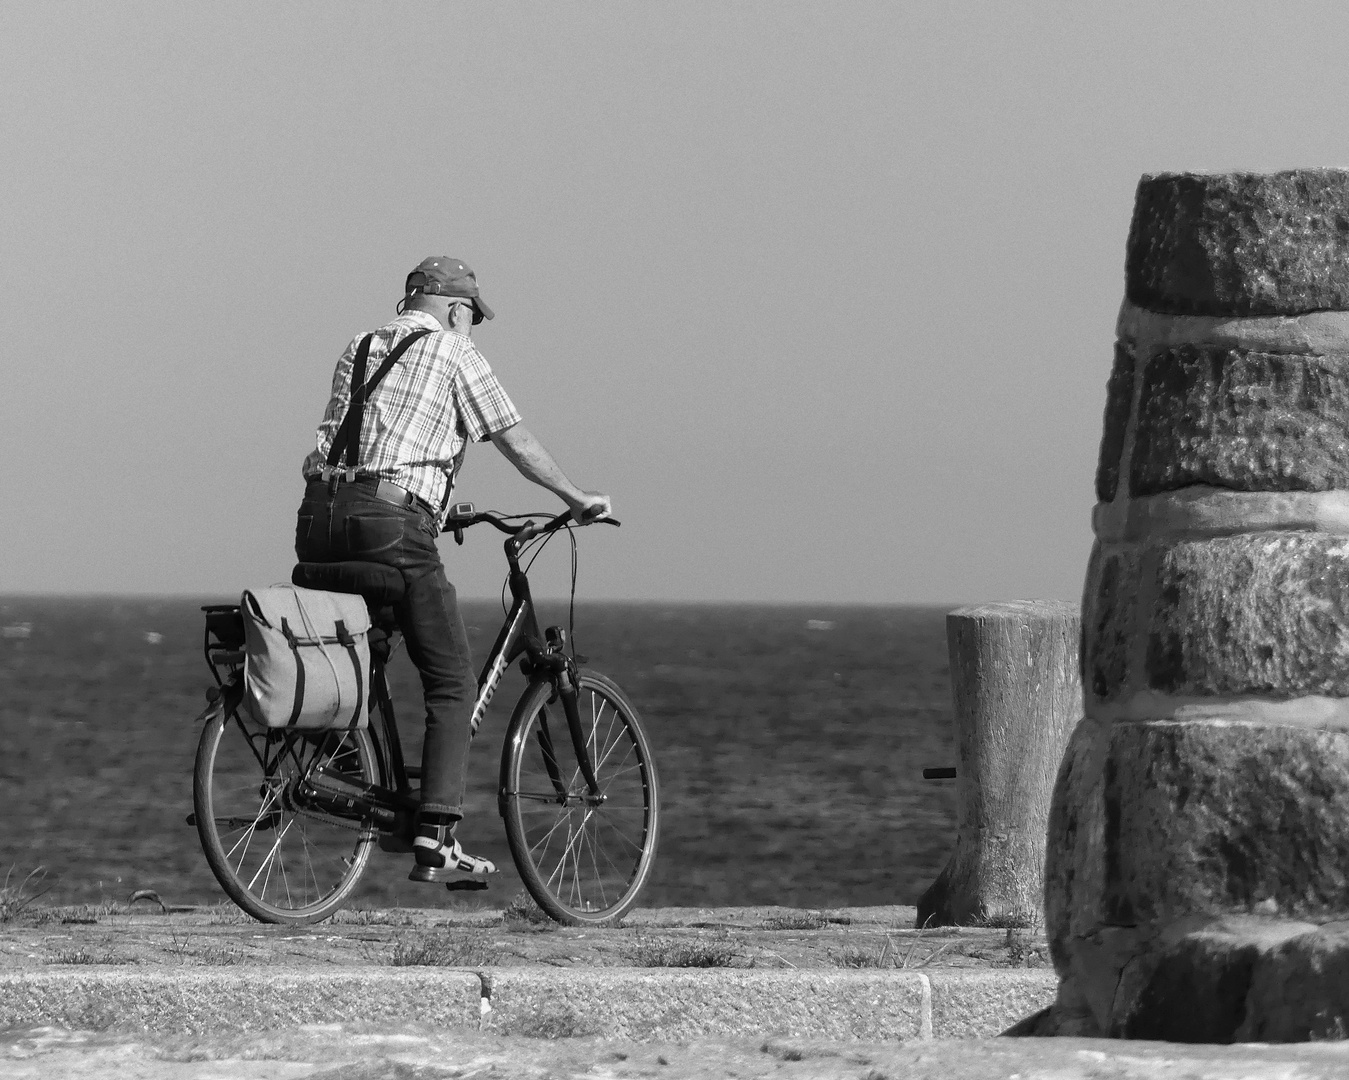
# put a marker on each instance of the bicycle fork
(565, 684)
(566, 689)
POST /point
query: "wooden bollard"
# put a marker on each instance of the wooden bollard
(1017, 695)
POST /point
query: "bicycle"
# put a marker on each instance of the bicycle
(288, 818)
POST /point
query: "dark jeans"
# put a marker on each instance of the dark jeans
(353, 524)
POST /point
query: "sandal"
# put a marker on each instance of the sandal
(443, 853)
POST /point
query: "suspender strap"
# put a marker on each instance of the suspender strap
(348, 438)
(299, 673)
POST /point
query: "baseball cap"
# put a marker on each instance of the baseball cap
(440, 275)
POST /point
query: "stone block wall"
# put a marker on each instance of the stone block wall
(1207, 789)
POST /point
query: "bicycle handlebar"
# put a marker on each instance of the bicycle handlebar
(525, 531)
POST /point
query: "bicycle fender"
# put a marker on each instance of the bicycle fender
(225, 701)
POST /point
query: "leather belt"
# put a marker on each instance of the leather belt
(386, 490)
(400, 496)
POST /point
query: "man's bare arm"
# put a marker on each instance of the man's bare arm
(519, 446)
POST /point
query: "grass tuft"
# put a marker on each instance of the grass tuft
(78, 913)
(522, 914)
(440, 950)
(1013, 920)
(227, 913)
(374, 917)
(15, 897)
(887, 955)
(669, 953)
(797, 920)
(219, 956)
(1023, 950)
(82, 955)
(853, 957)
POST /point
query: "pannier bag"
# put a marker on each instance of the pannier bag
(306, 658)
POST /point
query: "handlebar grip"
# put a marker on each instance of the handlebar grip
(589, 518)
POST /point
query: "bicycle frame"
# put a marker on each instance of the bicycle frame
(546, 660)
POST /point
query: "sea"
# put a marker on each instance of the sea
(790, 743)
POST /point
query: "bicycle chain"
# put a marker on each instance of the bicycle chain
(328, 819)
(315, 815)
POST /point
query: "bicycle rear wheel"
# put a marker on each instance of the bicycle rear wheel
(277, 856)
(583, 859)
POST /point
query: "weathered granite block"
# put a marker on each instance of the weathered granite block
(1211, 819)
(1197, 993)
(1074, 865)
(1240, 243)
(1108, 619)
(1248, 421)
(1256, 613)
(1119, 397)
(1194, 986)
(1300, 990)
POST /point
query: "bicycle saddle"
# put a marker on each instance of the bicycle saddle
(379, 584)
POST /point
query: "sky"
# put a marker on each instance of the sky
(823, 295)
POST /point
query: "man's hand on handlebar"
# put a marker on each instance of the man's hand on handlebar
(592, 506)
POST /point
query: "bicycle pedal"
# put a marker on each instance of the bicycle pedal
(454, 879)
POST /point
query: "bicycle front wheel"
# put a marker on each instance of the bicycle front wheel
(583, 857)
(276, 854)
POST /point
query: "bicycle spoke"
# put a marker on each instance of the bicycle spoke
(623, 771)
(595, 868)
(566, 851)
(628, 840)
(630, 750)
(285, 879)
(309, 862)
(542, 844)
(610, 737)
(617, 872)
(248, 833)
(557, 872)
(267, 859)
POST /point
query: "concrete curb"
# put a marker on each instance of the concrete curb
(195, 1000)
(636, 1003)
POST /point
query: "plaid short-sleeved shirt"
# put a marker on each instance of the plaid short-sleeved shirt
(418, 420)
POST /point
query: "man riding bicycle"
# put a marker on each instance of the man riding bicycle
(383, 495)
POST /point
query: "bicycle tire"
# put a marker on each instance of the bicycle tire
(605, 889)
(236, 800)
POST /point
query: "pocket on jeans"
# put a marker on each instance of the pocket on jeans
(367, 534)
(303, 524)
